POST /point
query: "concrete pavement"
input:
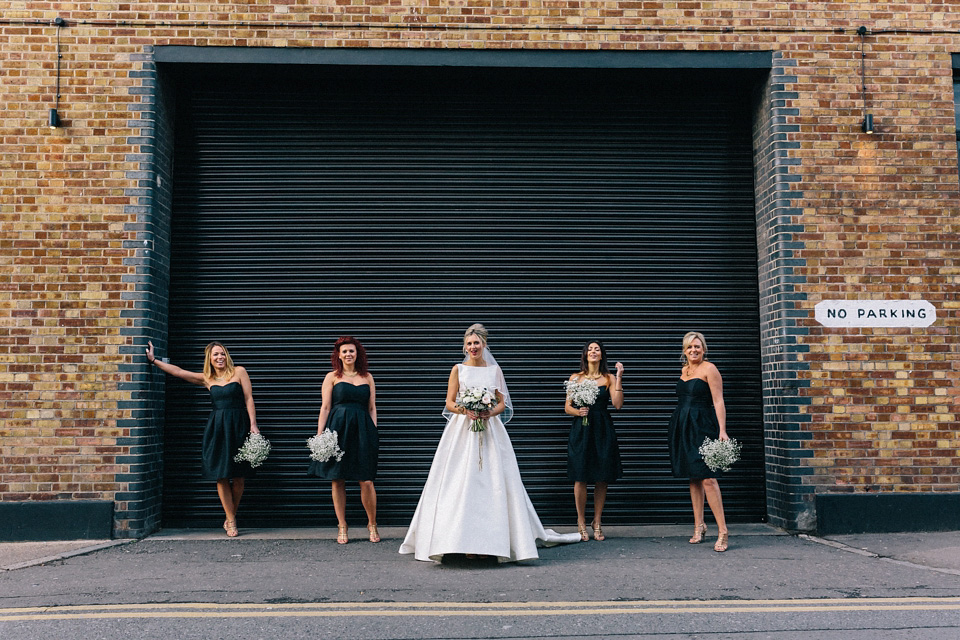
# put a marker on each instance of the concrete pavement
(939, 551)
(20, 555)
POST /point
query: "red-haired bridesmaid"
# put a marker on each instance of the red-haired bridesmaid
(350, 408)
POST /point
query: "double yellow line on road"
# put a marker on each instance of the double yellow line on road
(471, 609)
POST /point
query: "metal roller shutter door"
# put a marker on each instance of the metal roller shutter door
(401, 205)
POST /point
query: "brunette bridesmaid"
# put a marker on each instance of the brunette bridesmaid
(593, 455)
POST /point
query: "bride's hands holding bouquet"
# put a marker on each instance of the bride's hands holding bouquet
(478, 404)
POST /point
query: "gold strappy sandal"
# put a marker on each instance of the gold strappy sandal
(582, 528)
(598, 533)
(722, 542)
(699, 531)
(374, 534)
(342, 534)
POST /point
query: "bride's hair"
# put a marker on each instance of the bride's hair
(478, 330)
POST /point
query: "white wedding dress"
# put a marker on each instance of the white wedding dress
(469, 508)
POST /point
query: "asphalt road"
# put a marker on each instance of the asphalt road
(768, 585)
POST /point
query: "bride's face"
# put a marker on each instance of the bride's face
(473, 346)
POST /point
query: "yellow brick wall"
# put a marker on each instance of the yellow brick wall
(879, 213)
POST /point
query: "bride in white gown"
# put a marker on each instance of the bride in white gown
(474, 501)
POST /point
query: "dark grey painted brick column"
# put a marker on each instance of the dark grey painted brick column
(790, 502)
(137, 509)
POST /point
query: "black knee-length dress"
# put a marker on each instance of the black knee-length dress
(227, 428)
(357, 437)
(693, 420)
(593, 454)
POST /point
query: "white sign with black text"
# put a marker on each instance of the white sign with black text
(875, 313)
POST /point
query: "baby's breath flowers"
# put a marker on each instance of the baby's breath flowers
(255, 450)
(720, 454)
(324, 446)
(582, 393)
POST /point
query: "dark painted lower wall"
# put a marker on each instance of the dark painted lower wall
(837, 514)
(56, 520)
(887, 512)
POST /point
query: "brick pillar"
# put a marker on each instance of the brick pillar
(790, 503)
(138, 497)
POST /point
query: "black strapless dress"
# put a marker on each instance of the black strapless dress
(593, 454)
(356, 436)
(227, 428)
(693, 420)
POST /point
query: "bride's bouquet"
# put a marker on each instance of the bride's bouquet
(720, 454)
(477, 399)
(324, 446)
(582, 393)
(255, 450)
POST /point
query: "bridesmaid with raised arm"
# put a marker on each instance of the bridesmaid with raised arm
(232, 418)
(593, 455)
(700, 414)
(349, 407)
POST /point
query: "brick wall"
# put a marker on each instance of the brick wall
(841, 214)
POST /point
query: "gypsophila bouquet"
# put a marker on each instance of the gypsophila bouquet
(719, 454)
(477, 399)
(582, 392)
(323, 446)
(255, 450)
